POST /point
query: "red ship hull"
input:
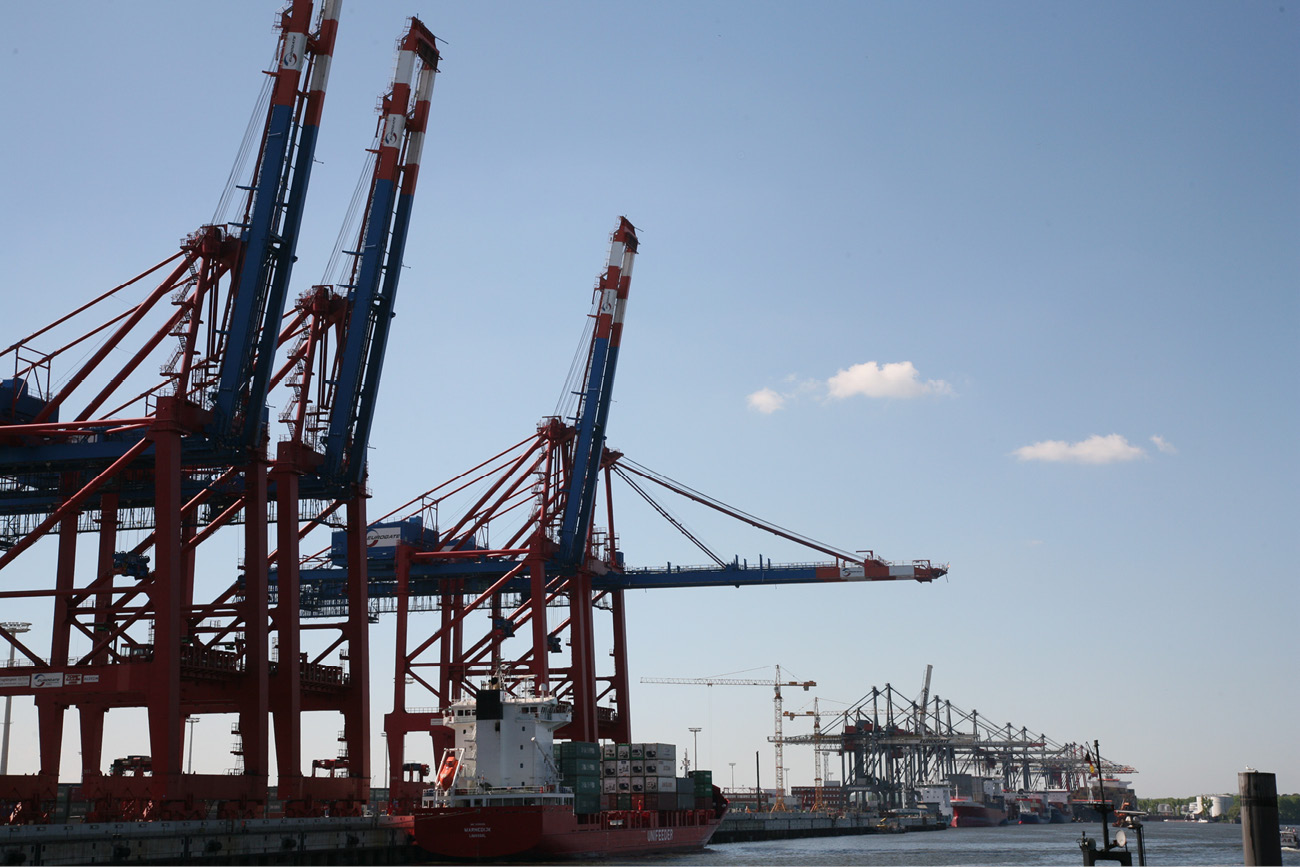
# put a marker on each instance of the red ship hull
(977, 816)
(555, 832)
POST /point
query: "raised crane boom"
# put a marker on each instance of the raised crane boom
(593, 411)
(269, 234)
(373, 289)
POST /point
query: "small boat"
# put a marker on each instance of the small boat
(1290, 839)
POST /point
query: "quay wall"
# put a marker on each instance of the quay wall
(371, 840)
(739, 827)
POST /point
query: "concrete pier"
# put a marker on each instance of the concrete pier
(738, 827)
(371, 840)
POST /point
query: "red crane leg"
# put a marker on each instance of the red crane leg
(622, 728)
(395, 723)
(255, 702)
(541, 640)
(163, 690)
(286, 695)
(583, 652)
(356, 702)
(92, 716)
(49, 711)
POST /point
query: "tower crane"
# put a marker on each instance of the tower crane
(819, 755)
(778, 739)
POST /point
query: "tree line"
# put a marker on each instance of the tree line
(1288, 808)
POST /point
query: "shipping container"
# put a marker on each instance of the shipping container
(656, 768)
(638, 785)
(703, 783)
(637, 751)
(609, 786)
(624, 768)
(577, 750)
(609, 751)
(586, 804)
(624, 751)
(685, 785)
(579, 767)
(686, 800)
(638, 767)
(662, 752)
(582, 785)
(624, 802)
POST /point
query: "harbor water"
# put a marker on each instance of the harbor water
(1166, 843)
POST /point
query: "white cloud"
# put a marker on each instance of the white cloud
(766, 401)
(1164, 445)
(894, 379)
(1094, 450)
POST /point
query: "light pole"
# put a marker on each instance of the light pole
(695, 730)
(733, 775)
(12, 629)
(191, 721)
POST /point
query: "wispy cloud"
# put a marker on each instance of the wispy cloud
(899, 379)
(894, 379)
(766, 401)
(1095, 449)
(1164, 445)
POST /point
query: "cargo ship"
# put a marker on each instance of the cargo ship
(977, 802)
(967, 813)
(508, 790)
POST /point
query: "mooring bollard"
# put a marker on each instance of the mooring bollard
(1261, 836)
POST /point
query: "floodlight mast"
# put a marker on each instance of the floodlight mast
(12, 628)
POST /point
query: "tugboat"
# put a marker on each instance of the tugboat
(500, 792)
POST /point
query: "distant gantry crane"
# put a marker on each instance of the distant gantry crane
(778, 715)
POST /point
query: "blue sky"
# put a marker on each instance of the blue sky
(1010, 286)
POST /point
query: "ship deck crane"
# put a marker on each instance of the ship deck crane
(778, 740)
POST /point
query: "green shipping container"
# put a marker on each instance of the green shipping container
(625, 802)
(703, 783)
(582, 785)
(577, 750)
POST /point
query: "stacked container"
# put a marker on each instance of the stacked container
(579, 765)
(702, 789)
(640, 777)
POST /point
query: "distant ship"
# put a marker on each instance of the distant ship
(508, 790)
(967, 813)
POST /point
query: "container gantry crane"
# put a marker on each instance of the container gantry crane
(778, 739)
(161, 461)
(553, 558)
(197, 463)
(325, 459)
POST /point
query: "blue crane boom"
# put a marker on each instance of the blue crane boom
(269, 236)
(373, 290)
(593, 412)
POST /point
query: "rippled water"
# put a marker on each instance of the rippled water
(1166, 843)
